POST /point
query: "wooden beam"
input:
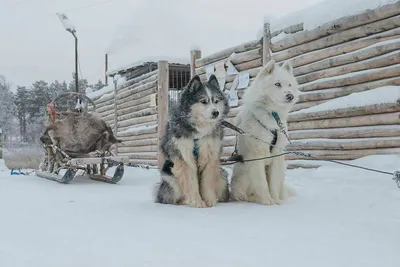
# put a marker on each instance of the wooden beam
(162, 102)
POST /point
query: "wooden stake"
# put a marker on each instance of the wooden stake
(194, 54)
(266, 44)
(162, 102)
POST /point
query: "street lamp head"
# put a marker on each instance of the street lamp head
(66, 22)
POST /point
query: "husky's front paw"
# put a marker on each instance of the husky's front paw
(197, 204)
(267, 201)
(211, 202)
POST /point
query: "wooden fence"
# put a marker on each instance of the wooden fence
(352, 54)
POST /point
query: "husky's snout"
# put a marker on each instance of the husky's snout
(289, 97)
(215, 114)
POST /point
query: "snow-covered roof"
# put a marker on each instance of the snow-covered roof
(324, 12)
(153, 59)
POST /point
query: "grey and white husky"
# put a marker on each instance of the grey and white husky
(192, 173)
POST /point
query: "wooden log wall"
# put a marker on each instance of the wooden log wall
(349, 55)
(136, 120)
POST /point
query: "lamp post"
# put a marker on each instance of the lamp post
(71, 28)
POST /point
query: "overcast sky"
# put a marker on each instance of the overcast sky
(34, 45)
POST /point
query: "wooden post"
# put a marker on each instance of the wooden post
(194, 54)
(106, 69)
(115, 115)
(266, 44)
(162, 103)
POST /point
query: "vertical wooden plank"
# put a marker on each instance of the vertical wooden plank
(266, 44)
(115, 116)
(162, 103)
(194, 54)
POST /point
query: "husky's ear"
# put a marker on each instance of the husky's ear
(213, 81)
(269, 68)
(288, 67)
(194, 83)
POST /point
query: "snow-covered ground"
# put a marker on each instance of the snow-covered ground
(339, 217)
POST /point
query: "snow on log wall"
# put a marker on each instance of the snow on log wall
(136, 119)
(340, 61)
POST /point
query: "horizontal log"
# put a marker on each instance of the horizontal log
(344, 112)
(358, 55)
(141, 125)
(143, 142)
(140, 78)
(143, 155)
(148, 80)
(376, 62)
(237, 60)
(314, 56)
(349, 132)
(107, 113)
(340, 37)
(246, 56)
(101, 107)
(141, 113)
(108, 117)
(345, 144)
(139, 137)
(345, 154)
(229, 141)
(305, 105)
(133, 103)
(352, 78)
(227, 52)
(144, 162)
(331, 93)
(249, 65)
(137, 149)
(134, 121)
(123, 95)
(133, 108)
(289, 30)
(337, 26)
(366, 120)
(136, 96)
(105, 99)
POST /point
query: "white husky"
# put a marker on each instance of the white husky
(274, 91)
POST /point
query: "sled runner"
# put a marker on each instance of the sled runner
(77, 139)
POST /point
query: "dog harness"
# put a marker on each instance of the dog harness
(196, 148)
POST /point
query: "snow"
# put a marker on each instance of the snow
(106, 89)
(326, 11)
(138, 128)
(88, 91)
(279, 37)
(380, 95)
(154, 59)
(339, 217)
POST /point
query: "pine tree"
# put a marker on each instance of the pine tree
(98, 85)
(82, 84)
(7, 107)
(21, 102)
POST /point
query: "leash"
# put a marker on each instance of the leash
(235, 158)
